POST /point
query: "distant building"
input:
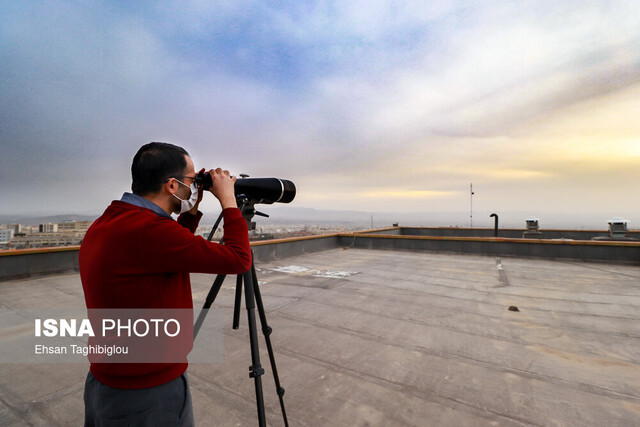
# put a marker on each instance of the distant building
(17, 228)
(48, 228)
(66, 233)
(6, 235)
(42, 239)
(74, 225)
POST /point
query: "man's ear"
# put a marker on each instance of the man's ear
(171, 186)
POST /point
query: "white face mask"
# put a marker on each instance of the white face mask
(187, 204)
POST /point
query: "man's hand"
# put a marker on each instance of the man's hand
(194, 210)
(223, 187)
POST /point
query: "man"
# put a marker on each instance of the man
(135, 256)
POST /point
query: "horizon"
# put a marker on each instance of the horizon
(290, 215)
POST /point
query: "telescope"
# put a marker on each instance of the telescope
(259, 190)
(250, 191)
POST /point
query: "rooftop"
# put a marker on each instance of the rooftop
(393, 337)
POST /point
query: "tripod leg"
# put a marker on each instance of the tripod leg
(215, 227)
(236, 306)
(213, 293)
(266, 330)
(255, 370)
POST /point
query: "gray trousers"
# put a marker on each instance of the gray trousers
(165, 405)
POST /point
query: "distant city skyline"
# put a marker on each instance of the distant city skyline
(291, 215)
(370, 106)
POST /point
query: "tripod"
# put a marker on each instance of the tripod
(252, 299)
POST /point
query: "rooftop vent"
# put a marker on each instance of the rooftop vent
(532, 225)
(618, 227)
(533, 229)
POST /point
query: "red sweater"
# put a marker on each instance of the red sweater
(133, 258)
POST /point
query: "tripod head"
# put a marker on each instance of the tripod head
(248, 210)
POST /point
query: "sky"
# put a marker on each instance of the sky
(378, 106)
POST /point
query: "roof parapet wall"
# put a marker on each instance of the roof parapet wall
(35, 262)
(615, 252)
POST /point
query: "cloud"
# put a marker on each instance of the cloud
(399, 193)
(369, 95)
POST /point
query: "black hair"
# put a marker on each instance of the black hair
(153, 164)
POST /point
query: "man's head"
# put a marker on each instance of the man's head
(160, 169)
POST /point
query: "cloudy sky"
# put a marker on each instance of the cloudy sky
(367, 105)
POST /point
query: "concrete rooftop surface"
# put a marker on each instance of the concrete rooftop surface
(392, 338)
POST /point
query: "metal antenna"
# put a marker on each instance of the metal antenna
(471, 198)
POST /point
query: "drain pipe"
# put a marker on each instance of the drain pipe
(495, 232)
